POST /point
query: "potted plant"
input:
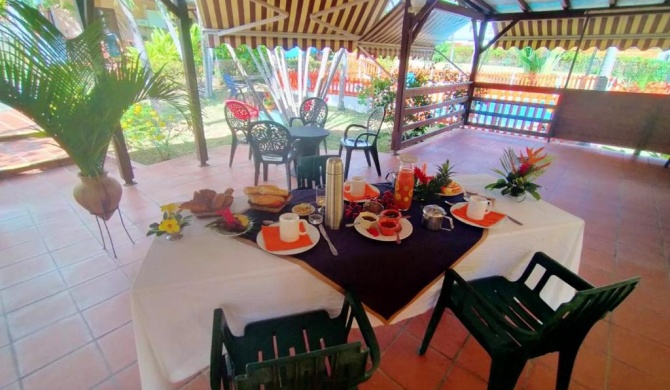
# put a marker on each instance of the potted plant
(69, 91)
(519, 173)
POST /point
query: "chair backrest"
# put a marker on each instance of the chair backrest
(575, 318)
(312, 171)
(376, 119)
(238, 116)
(314, 111)
(231, 84)
(268, 137)
(338, 367)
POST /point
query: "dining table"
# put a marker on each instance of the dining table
(180, 283)
(310, 138)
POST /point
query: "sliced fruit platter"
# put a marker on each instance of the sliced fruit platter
(230, 224)
(451, 189)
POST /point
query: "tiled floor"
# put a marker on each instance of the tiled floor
(65, 319)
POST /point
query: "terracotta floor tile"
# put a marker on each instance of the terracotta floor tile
(402, 363)
(108, 315)
(460, 378)
(30, 291)
(4, 333)
(26, 270)
(8, 373)
(200, 382)
(597, 259)
(50, 344)
(77, 252)
(449, 336)
(17, 253)
(88, 269)
(475, 359)
(129, 378)
(16, 223)
(80, 370)
(641, 353)
(16, 237)
(131, 270)
(598, 337)
(652, 257)
(590, 368)
(118, 347)
(380, 381)
(99, 289)
(541, 377)
(599, 244)
(643, 321)
(109, 384)
(625, 377)
(67, 237)
(40, 314)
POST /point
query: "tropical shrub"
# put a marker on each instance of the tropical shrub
(144, 128)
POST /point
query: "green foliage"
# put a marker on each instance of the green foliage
(462, 54)
(641, 70)
(537, 61)
(143, 128)
(66, 89)
(228, 66)
(381, 92)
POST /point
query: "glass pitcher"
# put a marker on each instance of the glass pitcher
(404, 182)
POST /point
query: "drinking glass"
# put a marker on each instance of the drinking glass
(320, 191)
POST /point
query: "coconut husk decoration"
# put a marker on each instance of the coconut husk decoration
(99, 195)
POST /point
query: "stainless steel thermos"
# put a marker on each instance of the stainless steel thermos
(334, 192)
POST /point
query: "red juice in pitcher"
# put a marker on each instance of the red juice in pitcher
(404, 182)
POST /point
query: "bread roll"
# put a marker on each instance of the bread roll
(205, 196)
(267, 200)
(195, 206)
(258, 190)
(221, 201)
(264, 190)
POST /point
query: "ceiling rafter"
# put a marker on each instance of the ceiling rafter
(523, 5)
(462, 10)
(612, 3)
(479, 5)
(565, 4)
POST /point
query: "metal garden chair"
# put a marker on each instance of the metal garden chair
(271, 144)
(314, 112)
(366, 141)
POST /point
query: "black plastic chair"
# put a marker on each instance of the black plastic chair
(311, 171)
(238, 117)
(313, 111)
(302, 351)
(366, 141)
(513, 324)
(271, 144)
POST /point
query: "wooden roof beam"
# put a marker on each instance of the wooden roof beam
(565, 4)
(171, 7)
(576, 13)
(479, 5)
(523, 5)
(612, 3)
(459, 10)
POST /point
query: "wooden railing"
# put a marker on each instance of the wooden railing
(516, 109)
(352, 86)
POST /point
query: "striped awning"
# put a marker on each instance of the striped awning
(383, 40)
(288, 23)
(644, 31)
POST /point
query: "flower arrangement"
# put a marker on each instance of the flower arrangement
(520, 171)
(173, 222)
(230, 223)
(428, 188)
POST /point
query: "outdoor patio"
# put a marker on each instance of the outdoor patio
(65, 309)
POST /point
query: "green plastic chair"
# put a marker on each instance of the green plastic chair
(303, 351)
(311, 171)
(513, 324)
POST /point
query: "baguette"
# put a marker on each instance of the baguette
(267, 200)
(258, 190)
(221, 201)
(273, 191)
(195, 206)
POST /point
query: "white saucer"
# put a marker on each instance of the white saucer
(312, 232)
(407, 229)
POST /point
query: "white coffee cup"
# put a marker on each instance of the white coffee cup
(355, 187)
(478, 207)
(289, 227)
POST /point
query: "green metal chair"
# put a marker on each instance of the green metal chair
(302, 351)
(311, 171)
(513, 324)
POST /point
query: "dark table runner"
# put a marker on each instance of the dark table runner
(386, 276)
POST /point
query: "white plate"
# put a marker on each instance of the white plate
(496, 225)
(226, 233)
(375, 189)
(407, 229)
(312, 232)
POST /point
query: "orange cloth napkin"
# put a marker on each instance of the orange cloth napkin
(369, 193)
(273, 243)
(489, 219)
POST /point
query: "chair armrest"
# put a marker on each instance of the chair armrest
(553, 268)
(346, 131)
(366, 330)
(471, 298)
(366, 135)
(291, 119)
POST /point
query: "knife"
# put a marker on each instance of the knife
(330, 244)
(514, 220)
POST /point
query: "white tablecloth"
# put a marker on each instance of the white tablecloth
(180, 283)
